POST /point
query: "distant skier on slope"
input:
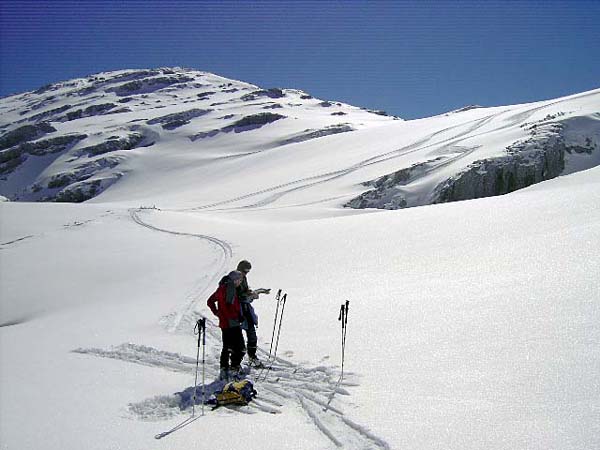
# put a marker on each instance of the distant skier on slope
(247, 296)
(224, 303)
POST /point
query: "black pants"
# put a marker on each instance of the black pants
(233, 347)
(252, 339)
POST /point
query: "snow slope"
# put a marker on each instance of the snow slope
(472, 324)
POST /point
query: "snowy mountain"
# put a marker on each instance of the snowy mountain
(471, 325)
(72, 141)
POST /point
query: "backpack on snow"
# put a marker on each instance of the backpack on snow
(236, 393)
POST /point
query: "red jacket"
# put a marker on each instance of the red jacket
(225, 304)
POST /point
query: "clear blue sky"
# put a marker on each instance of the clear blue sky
(410, 58)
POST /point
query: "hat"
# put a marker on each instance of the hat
(235, 275)
(244, 266)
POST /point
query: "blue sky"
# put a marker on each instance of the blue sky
(410, 58)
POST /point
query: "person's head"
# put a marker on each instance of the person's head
(236, 276)
(244, 266)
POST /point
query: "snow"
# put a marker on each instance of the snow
(471, 325)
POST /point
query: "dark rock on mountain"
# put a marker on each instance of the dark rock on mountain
(113, 144)
(525, 164)
(13, 157)
(205, 95)
(270, 93)
(25, 133)
(148, 85)
(82, 172)
(94, 110)
(386, 193)
(253, 121)
(173, 121)
(314, 134)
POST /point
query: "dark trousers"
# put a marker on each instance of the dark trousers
(251, 338)
(233, 347)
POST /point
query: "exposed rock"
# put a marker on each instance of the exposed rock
(205, 95)
(173, 121)
(386, 193)
(83, 172)
(78, 193)
(247, 123)
(46, 114)
(307, 135)
(147, 85)
(13, 157)
(253, 121)
(379, 112)
(115, 143)
(270, 93)
(538, 158)
(25, 133)
(94, 110)
(527, 162)
(204, 135)
(53, 145)
(273, 106)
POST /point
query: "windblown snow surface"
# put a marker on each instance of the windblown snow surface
(471, 325)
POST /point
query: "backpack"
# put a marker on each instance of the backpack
(236, 393)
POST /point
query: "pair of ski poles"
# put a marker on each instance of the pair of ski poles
(343, 318)
(278, 319)
(200, 330)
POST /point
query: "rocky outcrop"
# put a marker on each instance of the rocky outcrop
(148, 85)
(115, 143)
(173, 121)
(253, 121)
(538, 158)
(25, 133)
(307, 135)
(77, 193)
(247, 123)
(81, 173)
(386, 192)
(269, 93)
(13, 157)
(94, 110)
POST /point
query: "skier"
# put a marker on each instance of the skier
(247, 296)
(224, 303)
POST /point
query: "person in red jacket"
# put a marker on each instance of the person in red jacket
(224, 304)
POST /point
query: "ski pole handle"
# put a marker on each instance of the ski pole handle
(200, 330)
(347, 306)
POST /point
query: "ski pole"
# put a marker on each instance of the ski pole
(200, 330)
(275, 321)
(283, 299)
(343, 318)
(203, 360)
(278, 300)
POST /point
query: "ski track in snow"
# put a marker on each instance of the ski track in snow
(286, 385)
(422, 144)
(185, 317)
(314, 180)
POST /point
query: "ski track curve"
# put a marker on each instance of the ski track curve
(184, 318)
